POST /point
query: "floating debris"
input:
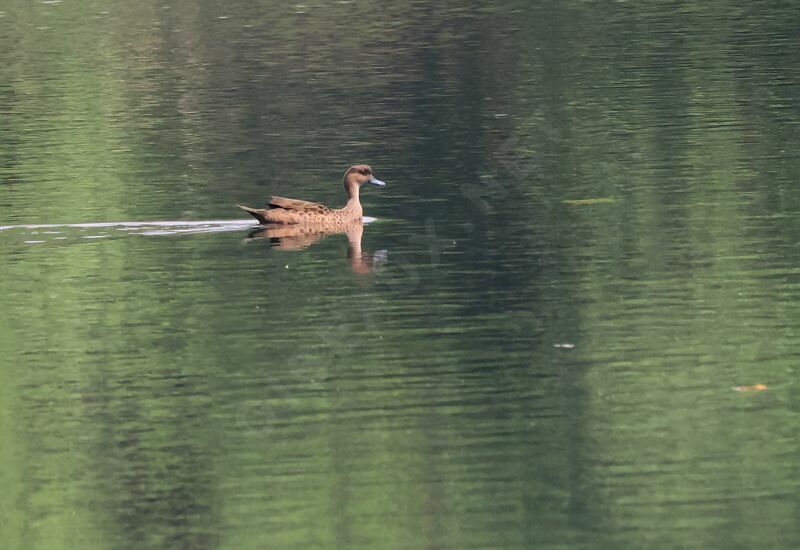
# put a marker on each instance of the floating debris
(586, 202)
(756, 387)
(565, 345)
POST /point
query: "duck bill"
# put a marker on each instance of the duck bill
(376, 181)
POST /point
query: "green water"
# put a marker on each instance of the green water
(590, 235)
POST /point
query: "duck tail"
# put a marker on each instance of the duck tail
(257, 214)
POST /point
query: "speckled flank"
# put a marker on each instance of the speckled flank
(283, 211)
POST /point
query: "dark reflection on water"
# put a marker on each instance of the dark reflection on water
(587, 241)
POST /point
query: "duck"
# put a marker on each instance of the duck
(283, 211)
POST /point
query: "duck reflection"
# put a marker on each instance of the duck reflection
(301, 236)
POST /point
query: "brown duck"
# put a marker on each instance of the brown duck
(283, 211)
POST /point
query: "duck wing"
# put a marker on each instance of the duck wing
(296, 205)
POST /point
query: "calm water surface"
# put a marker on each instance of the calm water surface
(590, 236)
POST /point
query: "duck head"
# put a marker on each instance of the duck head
(358, 175)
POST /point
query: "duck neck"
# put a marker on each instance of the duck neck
(353, 203)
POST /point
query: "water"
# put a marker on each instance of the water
(573, 322)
